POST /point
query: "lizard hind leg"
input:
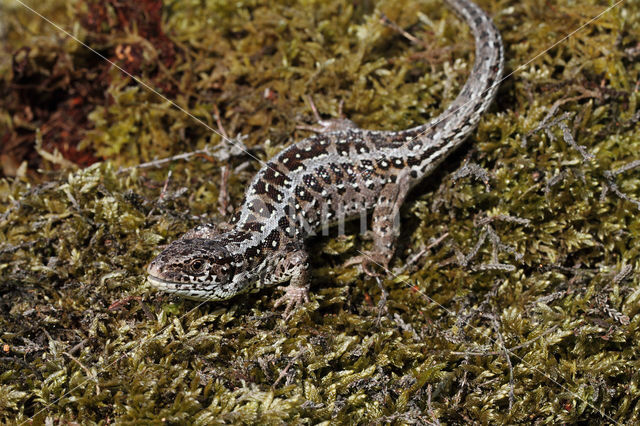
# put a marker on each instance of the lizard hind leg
(385, 228)
(330, 125)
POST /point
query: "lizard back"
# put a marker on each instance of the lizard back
(336, 175)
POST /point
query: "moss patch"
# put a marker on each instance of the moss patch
(514, 300)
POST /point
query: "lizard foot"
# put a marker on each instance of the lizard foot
(293, 296)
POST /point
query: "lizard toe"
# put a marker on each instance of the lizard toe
(292, 298)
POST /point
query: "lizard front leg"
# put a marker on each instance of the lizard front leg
(293, 267)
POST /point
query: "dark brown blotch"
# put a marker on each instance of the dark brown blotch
(273, 176)
(285, 224)
(366, 168)
(312, 183)
(397, 162)
(296, 157)
(413, 161)
(324, 174)
(272, 242)
(337, 171)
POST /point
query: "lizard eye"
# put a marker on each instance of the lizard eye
(197, 265)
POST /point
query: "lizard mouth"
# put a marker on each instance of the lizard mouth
(181, 290)
(161, 284)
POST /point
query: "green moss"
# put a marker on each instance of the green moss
(84, 339)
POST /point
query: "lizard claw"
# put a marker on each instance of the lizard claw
(294, 296)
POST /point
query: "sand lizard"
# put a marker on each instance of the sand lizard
(332, 175)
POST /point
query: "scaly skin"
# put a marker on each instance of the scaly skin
(338, 173)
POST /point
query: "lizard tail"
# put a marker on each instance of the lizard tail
(436, 139)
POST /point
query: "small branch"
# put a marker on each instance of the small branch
(165, 186)
(222, 152)
(504, 218)
(610, 185)
(162, 161)
(382, 303)
(474, 251)
(78, 346)
(497, 247)
(223, 195)
(494, 267)
(413, 259)
(284, 371)
(474, 170)
(86, 370)
(629, 166)
(547, 122)
(430, 408)
(623, 274)
(496, 326)
(389, 23)
(554, 180)
(216, 114)
(568, 138)
(458, 396)
(511, 350)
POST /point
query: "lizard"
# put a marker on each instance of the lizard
(333, 175)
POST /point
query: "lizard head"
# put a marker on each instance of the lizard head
(195, 268)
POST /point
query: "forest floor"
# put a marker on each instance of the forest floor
(514, 295)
